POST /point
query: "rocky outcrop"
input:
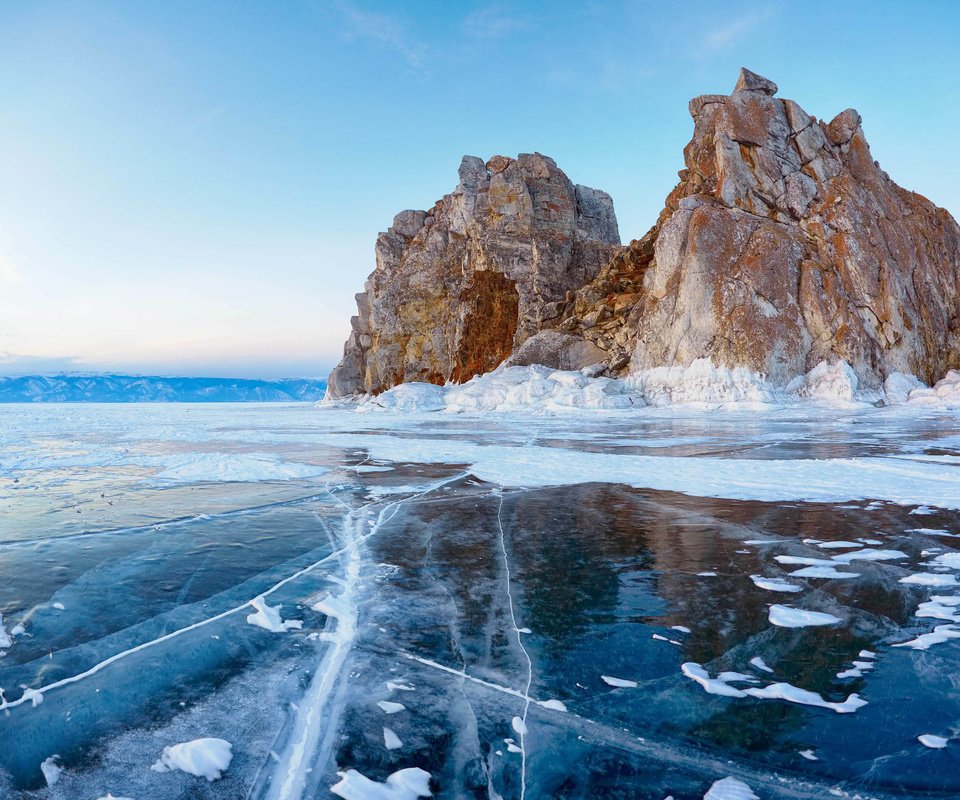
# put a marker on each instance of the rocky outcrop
(784, 244)
(460, 287)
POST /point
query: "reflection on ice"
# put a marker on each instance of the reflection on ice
(656, 605)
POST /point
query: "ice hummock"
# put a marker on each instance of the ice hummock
(701, 384)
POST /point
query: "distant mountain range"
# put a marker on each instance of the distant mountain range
(153, 389)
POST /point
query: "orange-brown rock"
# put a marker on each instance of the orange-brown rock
(458, 288)
(784, 244)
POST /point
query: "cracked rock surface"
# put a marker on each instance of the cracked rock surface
(457, 288)
(783, 244)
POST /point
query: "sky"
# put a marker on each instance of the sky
(195, 188)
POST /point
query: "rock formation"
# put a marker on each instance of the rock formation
(783, 245)
(458, 288)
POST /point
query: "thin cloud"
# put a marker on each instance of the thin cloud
(381, 28)
(494, 22)
(723, 37)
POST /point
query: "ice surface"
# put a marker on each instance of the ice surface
(234, 467)
(404, 784)
(602, 520)
(790, 617)
(205, 758)
(730, 789)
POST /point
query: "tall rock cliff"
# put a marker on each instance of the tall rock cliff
(784, 244)
(457, 288)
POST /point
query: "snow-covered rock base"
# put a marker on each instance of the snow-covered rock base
(701, 385)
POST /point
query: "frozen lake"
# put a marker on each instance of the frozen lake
(586, 605)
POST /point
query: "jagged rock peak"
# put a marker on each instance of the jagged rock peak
(457, 288)
(751, 82)
(783, 245)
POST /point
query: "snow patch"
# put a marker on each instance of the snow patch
(775, 584)
(619, 683)
(51, 770)
(204, 758)
(404, 784)
(730, 789)
(790, 617)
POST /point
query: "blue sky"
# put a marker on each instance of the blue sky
(195, 187)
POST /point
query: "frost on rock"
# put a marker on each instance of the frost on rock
(268, 617)
(790, 617)
(404, 784)
(204, 758)
(730, 789)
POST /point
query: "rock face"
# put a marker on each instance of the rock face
(784, 244)
(458, 288)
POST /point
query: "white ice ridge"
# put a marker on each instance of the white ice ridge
(521, 729)
(774, 691)
(896, 480)
(314, 727)
(205, 758)
(790, 617)
(552, 705)
(730, 789)
(404, 784)
(36, 695)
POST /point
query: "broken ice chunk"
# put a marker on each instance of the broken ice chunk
(933, 742)
(388, 707)
(775, 584)
(390, 740)
(268, 617)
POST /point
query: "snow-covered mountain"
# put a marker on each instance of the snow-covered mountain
(153, 389)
